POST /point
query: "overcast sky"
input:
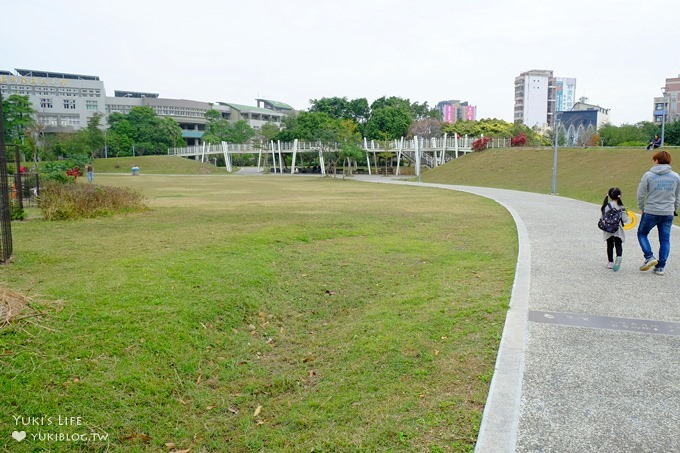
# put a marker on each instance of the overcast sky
(619, 51)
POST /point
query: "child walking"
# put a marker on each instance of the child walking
(616, 239)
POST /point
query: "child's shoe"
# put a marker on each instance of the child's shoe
(659, 270)
(617, 263)
(610, 265)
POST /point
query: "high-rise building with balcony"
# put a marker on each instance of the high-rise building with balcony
(670, 99)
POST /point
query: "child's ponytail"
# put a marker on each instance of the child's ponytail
(604, 204)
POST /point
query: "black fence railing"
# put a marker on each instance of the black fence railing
(5, 206)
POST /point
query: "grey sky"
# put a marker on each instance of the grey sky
(619, 51)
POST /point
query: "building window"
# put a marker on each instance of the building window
(48, 120)
(70, 104)
(67, 121)
(45, 103)
(91, 105)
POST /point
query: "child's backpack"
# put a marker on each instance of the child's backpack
(610, 220)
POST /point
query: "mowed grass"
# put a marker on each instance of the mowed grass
(266, 313)
(168, 165)
(584, 174)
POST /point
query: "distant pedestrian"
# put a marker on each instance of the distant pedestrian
(658, 198)
(613, 202)
(90, 172)
(655, 143)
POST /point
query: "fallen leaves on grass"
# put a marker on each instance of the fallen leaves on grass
(138, 437)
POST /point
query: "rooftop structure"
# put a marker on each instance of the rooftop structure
(64, 102)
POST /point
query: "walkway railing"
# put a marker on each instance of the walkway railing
(417, 150)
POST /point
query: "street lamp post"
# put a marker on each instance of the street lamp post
(554, 175)
(663, 116)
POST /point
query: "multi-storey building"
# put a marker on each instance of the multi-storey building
(455, 110)
(670, 99)
(64, 103)
(565, 93)
(535, 98)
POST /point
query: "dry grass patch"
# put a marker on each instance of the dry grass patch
(14, 306)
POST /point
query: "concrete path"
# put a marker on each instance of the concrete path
(590, 358)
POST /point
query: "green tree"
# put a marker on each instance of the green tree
(672, 133)
(359, 110)
(387, 123)
(350, 154)
(17, 114)
(268, 131)
(241, 132)
(416, 111)
(217, 129)
(342, 108)
(142, 132)
(288, 132)
(492, 127)
(94, 135)
(334, 107)
(627, 134)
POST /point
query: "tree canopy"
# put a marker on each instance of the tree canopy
(17, 114)
(219, 129)
(142, 132)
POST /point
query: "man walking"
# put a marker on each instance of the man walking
(658, 197)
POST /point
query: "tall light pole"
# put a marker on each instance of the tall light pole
(663, 115)
(554, 175)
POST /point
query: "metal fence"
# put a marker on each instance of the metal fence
(5, 207)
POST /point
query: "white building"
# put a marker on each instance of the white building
(535, 98)
(63, 102)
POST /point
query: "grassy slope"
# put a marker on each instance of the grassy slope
(357, 317)
(168, 165)
(584, 174)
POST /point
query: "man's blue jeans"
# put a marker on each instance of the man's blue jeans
(663, 224)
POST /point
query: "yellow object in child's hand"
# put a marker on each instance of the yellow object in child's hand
(633, 220)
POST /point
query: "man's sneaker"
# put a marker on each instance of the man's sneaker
(649, 263)
(658, 270)
(610, 265)
(617, 264)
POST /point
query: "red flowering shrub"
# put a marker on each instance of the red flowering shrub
(73, 173)
(520, 140)
(481, 144)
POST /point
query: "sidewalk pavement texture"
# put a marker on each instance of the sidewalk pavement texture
(589, 359)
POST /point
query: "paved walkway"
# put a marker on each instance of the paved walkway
(590, 358)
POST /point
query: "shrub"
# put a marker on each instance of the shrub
(16, 213)
(61, 170)
(481, 144)
(519, 140)
(76, 201)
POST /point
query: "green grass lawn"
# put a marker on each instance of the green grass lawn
(584, 174)
(259, 314)
(169, 165)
